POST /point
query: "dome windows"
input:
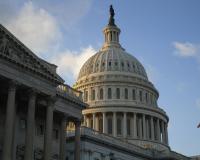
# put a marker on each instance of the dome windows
(93, 94)
(101, 94)
(109, 93)
(118, 93)
(126, 93)
(133, 94)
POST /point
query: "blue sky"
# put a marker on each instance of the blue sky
(163, 35)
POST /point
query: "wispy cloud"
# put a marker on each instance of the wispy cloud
(186, 49)
(70, 62)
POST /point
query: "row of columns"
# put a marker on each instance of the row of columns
(29, 144)
(142, 126)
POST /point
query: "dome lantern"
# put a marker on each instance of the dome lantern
(111, 32)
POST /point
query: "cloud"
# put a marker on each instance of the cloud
(186, 49)
(181, 87)
(70, 62)
(36, 28)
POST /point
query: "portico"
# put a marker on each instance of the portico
(35, 104)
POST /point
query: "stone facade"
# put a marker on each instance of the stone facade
(35, 105)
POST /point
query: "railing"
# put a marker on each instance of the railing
(65, 90)
(115, 141)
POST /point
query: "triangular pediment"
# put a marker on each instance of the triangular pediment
(13, 50)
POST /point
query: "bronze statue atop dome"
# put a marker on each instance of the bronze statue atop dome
(111, 19)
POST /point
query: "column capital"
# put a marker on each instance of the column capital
(12, 84)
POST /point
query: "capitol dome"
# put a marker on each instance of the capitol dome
(122, 102)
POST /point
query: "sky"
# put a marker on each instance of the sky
(163, 35)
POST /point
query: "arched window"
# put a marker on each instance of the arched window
(133, 94)
(109, 126)
(119, 126)
(118, 93)
(86, 96)
(126, 93)
(140, 93)
(101, 93)
(109, 93)
(93, 94)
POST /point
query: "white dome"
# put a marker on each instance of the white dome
(115, 60)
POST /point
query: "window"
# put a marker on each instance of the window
(22, 123)
(119, 126)
(110, 64)
(93, 94)
(40, 130)
(147, 97)
(133, 94)
(128, 126)
(101, 93)
(140, 93)
(100, 125)
(55, 133)
(126, 93)
(109, 93)
(86, 96)
(109, 126)
(118, 93)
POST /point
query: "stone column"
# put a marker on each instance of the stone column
(87, 121)
(125, 125)
(104, 123)
(84, 120)
(158, 129)
(166, 134)
(30, 126)
(93, 121)
(163, 131)
(63, 138)
(144, 126)
(135, 125)
(152, 130)
(114, 124)
(10, 114)
(140, 127)
(97, 123)
(48, 130)
(147, 129)
(77, 141)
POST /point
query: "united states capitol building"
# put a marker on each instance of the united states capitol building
(123, 120)
(116, 118)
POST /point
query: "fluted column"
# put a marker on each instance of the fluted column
(135, 125)
(104, 123)
(125, 125)
(144, 126)
(48, 131)
(77, 141)
(93, 121)
(63, 138)
(10, 114)
(114, 124)
(166, 134)
(140, 127)
(163, 131)
(158, 129)
(30, 126)
(152, 130)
